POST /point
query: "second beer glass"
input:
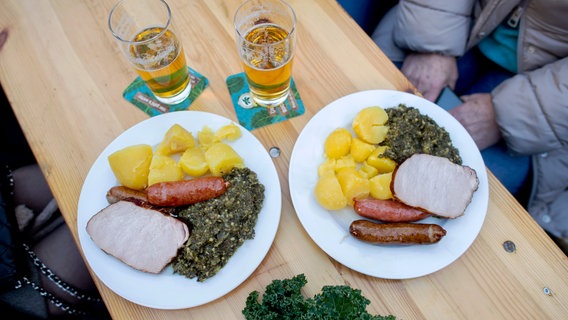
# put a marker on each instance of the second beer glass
(266, 40)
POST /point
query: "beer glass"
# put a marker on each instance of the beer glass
(144, 31)
(266, 40)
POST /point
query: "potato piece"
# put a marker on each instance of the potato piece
(346, 161)
(221, 158)
(329, 194)
(164, 168)
(338, 143)
(367, 170)
(360, 150)
(328, 166)
(193, 162)
(205, 137)
(131, 165)
(368, 125)
(380, 186)
(177, 139)
(383, 164)
(353, 184)
(229, 132)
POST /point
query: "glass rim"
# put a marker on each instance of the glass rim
(118, 37)
(288, 36)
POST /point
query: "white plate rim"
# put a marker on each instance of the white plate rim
(329, 230)
(168, 290)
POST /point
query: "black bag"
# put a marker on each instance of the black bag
(12, 261)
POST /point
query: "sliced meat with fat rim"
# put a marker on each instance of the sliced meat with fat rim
(434, 184)
(143, 238)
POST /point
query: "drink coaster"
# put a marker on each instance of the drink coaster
(142, 97)
(251, 115)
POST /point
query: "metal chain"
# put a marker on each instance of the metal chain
(53, 299)
(55, 279)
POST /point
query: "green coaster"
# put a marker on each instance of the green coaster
(142, 97)
(251, 115)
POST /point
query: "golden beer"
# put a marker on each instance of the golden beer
(160, 62)
(267, 59)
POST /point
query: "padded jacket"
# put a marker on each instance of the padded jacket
(532, 106)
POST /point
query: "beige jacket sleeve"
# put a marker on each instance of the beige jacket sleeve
(437, 26)
(532, 109)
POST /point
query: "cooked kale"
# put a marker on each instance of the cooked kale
(283, 300)
(220, 225)
(411, 132)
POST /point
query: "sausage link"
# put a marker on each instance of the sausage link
(396, 233)
(118, 193)
(186, 192)
(388, 210)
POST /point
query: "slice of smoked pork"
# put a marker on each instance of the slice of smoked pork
(143, 238)
(434, 184)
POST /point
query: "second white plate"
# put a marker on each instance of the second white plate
(330, 229)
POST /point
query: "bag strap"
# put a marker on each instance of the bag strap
(69, 289)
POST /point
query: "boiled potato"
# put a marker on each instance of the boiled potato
(380, 186)
(205, 137)
(177, 139)
(383, 164)
(360, 150)
(338, 143)
(329, 194)
(131, 165)
(229, 132)
(368, 125)
(346, 161)
(164, 168)
(193, 162)
(353, 184)
(328, 166)
(367, 170)
(221, 158)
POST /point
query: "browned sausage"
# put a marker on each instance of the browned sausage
(185, 192)
(388, 210)
(396, 233)
(118, 193)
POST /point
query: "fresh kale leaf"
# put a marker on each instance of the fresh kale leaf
(283, 300)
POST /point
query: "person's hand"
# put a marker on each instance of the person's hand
(430, 73)
(477, 115)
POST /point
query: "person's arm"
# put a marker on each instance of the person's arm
(477, 116)
(433, 33)
(532, 109)
(430, 73)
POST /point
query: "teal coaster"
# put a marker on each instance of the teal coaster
(251, 115)
(142, 97)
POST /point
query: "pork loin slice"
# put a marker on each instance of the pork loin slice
(141, 237)
(434, 184)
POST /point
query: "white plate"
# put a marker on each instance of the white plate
(330, 229)
(168, 290)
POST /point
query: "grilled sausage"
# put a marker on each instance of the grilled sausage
(396, 233)
(186, 192)
(118, 193)
(388, 210)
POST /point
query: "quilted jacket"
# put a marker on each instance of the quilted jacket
(532, 106)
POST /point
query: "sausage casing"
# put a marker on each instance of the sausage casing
(388, 210)
(118, 193)
(186, 192)
(396, 233)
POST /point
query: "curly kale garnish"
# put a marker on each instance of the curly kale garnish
(283, 300)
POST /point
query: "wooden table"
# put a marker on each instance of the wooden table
(64, 75)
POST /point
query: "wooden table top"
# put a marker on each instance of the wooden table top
(64, 75)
